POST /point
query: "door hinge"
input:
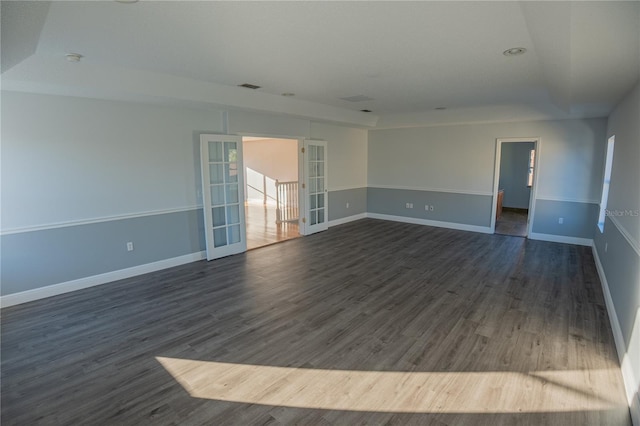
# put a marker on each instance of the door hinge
(304, 220)
(303, 150)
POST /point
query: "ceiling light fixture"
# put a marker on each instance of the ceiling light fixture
(514, 51)
(73, 57)
(288, 94)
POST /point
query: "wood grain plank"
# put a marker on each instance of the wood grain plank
(391, 322)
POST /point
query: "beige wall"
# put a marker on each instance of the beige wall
(268, 160)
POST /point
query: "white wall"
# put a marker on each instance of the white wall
(70, 159)
(67, 159)
(461, 158)
(268, 160)
(81, 177)
(275, 158)
(624, 193)
(347, 159)
(435, 158)
(257, 124)
(618, 247)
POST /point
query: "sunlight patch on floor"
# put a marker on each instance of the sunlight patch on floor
(396, 391)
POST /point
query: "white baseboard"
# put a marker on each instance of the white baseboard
(436, 223)
(94, 280)
(346, 219)
(561, 239)
(630, 381)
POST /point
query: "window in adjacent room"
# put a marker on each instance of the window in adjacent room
(532, 161)
(606, 182)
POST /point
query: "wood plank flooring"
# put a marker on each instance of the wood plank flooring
(262, 228)
(512, 222)
(370, 322)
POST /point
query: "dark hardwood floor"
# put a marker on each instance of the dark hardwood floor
(512, 222)
(370, 322)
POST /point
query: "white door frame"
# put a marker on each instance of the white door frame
(306, 228)
(496, 180)
(302, 197)
(300, 169)
(207, 204)
(303, 225)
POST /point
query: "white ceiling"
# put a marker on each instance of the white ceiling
(409, 57)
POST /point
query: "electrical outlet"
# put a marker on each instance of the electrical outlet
(561, 220)
(409, 205)
(426, 207)
(347, 205)
(129, 246)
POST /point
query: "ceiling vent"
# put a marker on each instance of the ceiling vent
(73, 57)
(358, 98)
(249, 86)
(514, 51)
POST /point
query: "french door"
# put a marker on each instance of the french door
(223, 195)
(315, 187)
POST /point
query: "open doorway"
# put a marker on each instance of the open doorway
(271, 190)
(514, 186)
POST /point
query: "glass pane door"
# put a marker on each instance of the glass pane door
(222, 183)
(316, 192)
